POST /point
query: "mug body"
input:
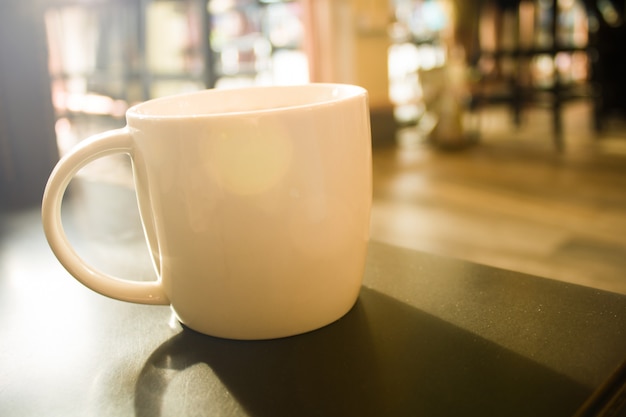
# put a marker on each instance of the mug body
(256, 204)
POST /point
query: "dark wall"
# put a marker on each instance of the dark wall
(28, 147)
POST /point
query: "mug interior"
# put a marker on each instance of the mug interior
(244, 100)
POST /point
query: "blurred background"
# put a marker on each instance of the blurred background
(499, 130)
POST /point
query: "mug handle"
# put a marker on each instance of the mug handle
(107, 143)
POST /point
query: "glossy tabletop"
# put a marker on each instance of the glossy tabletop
(429, 336)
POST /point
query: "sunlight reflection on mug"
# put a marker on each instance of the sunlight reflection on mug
(252, 159)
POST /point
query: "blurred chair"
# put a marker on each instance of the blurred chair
(610, 71)
(536, 52)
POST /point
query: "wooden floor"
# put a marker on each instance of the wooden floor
(512, 201)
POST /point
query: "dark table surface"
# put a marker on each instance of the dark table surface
(429, 336)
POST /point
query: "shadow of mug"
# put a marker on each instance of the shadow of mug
(331, 371)
(383, 358)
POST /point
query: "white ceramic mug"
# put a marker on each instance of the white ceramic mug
(255, 203)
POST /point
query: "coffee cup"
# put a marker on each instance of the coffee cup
(255, 205)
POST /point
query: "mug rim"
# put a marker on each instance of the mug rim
(339, 92)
